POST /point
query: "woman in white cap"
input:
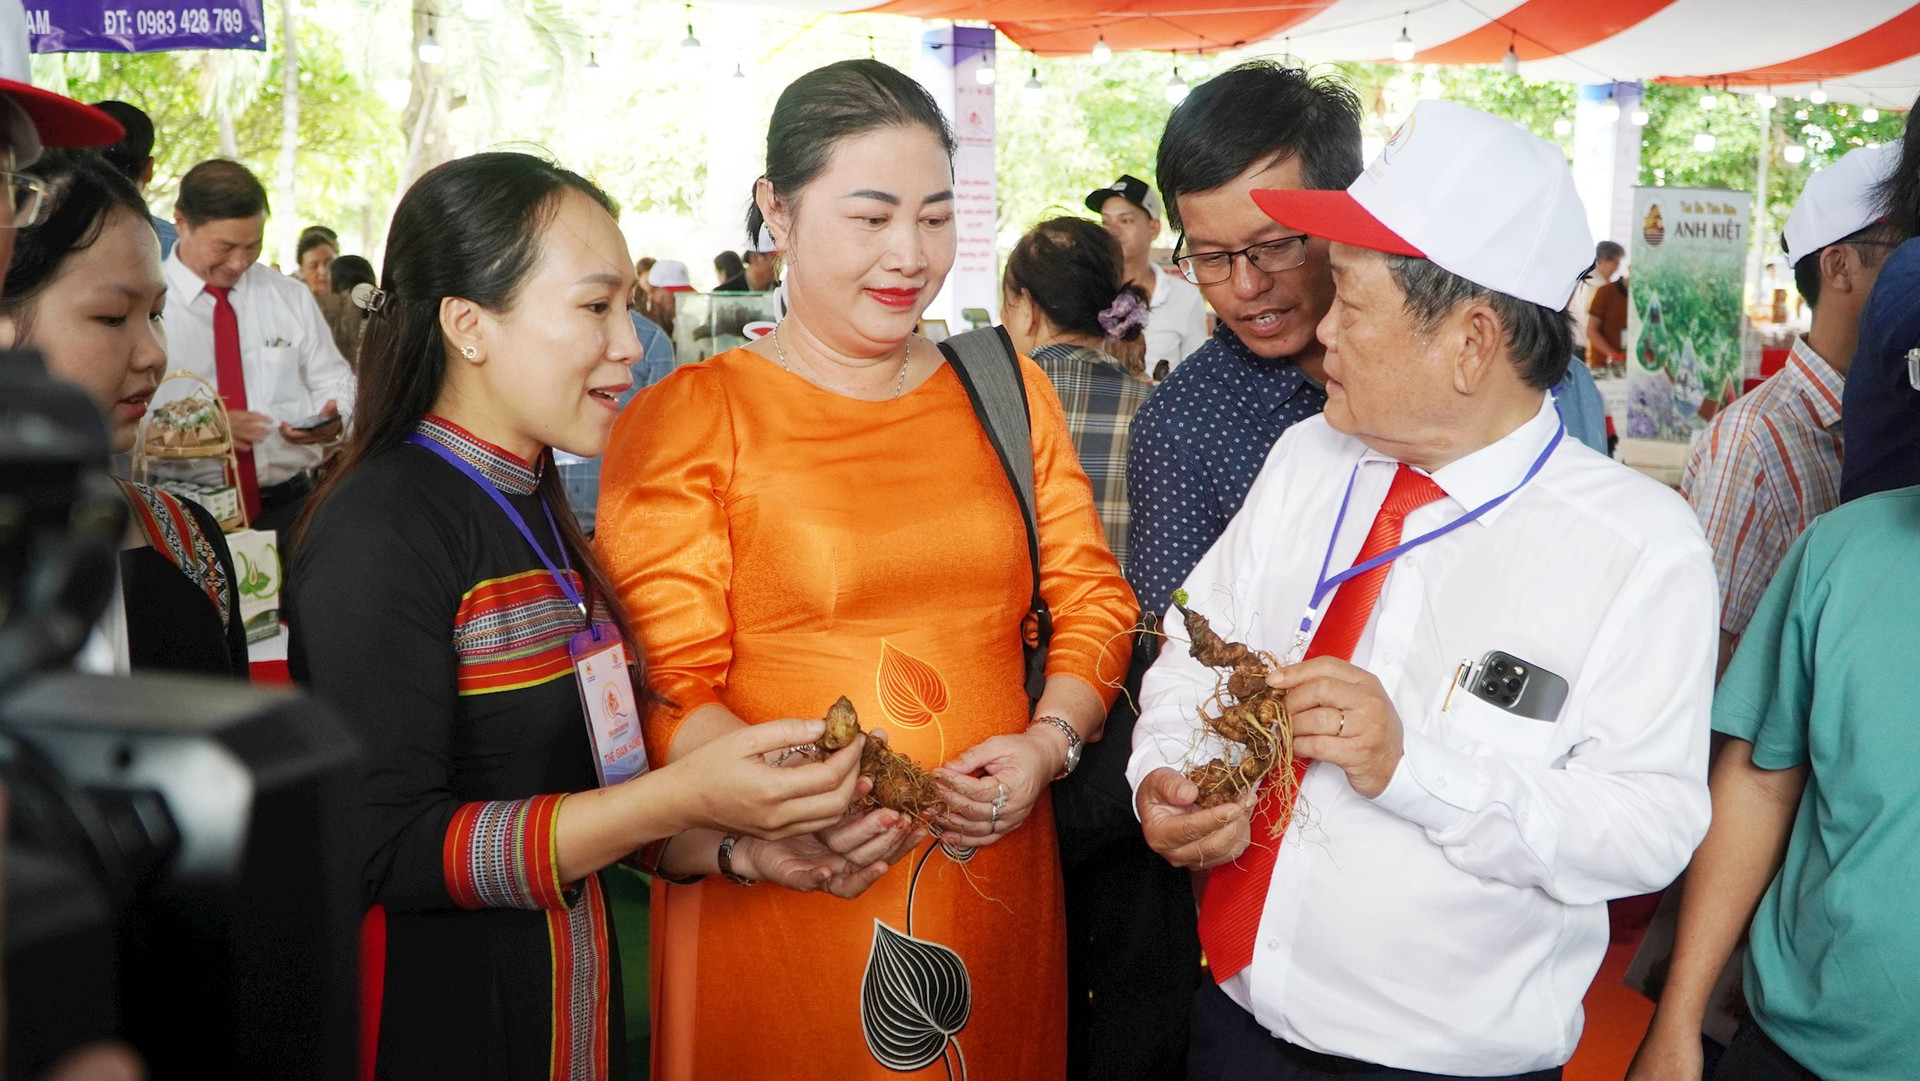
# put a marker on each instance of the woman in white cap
(820, 514)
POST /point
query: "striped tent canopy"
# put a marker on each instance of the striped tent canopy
(1866, 51)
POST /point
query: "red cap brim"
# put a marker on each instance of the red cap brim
(1334, 215)
(62, 121)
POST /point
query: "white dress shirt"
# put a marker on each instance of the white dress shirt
(1176, 319)
(287, 355)
(1453, 924)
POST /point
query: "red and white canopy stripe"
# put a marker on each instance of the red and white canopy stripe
(1859, 50)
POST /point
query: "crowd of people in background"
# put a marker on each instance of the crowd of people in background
(487, 467)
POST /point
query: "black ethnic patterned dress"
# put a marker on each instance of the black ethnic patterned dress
(420, 614)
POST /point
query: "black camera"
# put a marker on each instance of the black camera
(177, 869)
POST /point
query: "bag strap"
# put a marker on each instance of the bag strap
(988, 367)
(174, 533)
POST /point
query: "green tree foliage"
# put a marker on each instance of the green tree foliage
(349, 139)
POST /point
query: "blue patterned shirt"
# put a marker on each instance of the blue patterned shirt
(1197, 445)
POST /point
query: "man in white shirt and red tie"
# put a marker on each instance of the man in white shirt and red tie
(257, 336)
(1507, 677)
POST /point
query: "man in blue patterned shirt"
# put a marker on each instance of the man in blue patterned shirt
(1133, 955)
(1204, 433)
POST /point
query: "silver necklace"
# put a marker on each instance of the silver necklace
(899, 384)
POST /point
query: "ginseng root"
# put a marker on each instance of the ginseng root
(899, 783)
(1245, 713)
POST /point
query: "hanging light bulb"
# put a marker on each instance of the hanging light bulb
(739, 70)
(1870, 114)
(1511, 62)
(1563, 127)
(1640, 118)
(1794, 153)
(984, 73)
(1765, 100)
(1177, 88)
(690, 42)
(1703, 142)
(1610, 111)
(1403, 45)
(1101, 54)
(593, 61)
(1034, 91)
(1709, 102)
(430, 51)
(1819, 95)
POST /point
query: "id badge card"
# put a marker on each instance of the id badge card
(607, 698)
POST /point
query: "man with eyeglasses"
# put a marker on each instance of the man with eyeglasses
(1770, 463)
(1202, 436)
(1133, 960)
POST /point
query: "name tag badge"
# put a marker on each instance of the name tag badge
(606, 696)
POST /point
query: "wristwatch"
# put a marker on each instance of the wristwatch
(1073, 744)
(726, 861)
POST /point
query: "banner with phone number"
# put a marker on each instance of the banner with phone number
(144, 26)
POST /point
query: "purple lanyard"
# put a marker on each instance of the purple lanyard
(519, 523)
(1325, 585)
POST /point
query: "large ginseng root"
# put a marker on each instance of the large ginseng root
(899, 783)
(1244, 712)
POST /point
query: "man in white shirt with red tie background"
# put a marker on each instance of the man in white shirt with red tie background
(258, 337)
(1438, 905)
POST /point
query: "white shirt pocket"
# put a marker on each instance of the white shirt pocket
(1475, 726)
(287, 400)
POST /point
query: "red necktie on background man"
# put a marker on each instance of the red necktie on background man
(1236, 892)
(233, 387)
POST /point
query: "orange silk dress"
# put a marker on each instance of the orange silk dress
(780, 545)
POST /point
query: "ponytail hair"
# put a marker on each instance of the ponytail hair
(1072, 269)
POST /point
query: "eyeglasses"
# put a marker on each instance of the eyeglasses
(1268, 257)
(24, 198)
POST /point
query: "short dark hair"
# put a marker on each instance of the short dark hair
(840, 101)
(347, 271)
(1606, 250)
(131, 154)
(220, 190)
(83, 190)
(1540, 338)
(1072, 269)
(313, 236)
(727, 264)
(1254, 112)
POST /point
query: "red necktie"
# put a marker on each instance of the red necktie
(1236, 892)
(233, 387)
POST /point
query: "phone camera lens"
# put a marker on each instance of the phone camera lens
(1491, 687)
(1513, 686)
(1499, 668)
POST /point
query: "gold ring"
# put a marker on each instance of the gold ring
(1342, 730)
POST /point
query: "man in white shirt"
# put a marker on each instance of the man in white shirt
(258, 337)
(1506, 720)
(1177, 316)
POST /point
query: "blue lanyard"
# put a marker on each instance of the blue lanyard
(1325, 585)
(513, 516)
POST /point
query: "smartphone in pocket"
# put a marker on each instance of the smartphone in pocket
(1519, 687)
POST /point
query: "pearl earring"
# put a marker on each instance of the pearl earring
(469, 352)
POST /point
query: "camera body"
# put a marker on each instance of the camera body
(178, 870)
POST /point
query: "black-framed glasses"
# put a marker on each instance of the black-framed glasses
(1268, 257)
(25, 194)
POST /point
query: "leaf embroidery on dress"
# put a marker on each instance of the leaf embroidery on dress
(914, 997)
(912, 691)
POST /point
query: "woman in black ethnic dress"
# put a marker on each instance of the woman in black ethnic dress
(435, 587)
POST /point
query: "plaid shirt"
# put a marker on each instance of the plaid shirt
(1100, 398)
(1766, 468)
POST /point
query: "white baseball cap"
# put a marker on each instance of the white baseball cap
(1480, 196)
(1838, 201)
(669, 274)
